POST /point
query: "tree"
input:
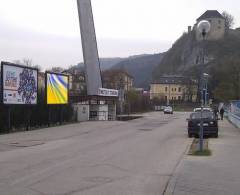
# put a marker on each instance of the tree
(229, 20)
(27, 62)
(226, 79)
(137, 102)
(57, 69)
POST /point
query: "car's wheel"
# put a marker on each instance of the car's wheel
(216, 135)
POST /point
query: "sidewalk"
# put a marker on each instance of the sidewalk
(218, 174)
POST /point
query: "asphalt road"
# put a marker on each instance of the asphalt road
(134, 157)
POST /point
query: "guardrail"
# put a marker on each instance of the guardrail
(235, 119)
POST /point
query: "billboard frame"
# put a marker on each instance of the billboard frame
(2, 85)
(56, 73)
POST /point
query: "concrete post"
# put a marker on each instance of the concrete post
(89, 45)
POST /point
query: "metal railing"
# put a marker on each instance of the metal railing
(232, 111)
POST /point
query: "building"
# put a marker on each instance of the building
(173, 88)
(217, 22)
(77, 83)
(117, 79)
(41, 80)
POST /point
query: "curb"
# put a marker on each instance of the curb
(173, 180)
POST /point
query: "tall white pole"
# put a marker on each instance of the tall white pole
(89, 45)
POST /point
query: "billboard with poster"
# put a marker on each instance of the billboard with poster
(19, 84)
(57, 87)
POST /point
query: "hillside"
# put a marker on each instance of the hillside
(106, 63)
(222, 59)
(185, 52)
(140, 67)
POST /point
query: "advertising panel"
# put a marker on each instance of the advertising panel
(19, 84)
(57, 88)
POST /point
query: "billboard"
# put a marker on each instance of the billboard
(57, 88)
(19, 84)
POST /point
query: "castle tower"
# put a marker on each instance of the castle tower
(217, 22)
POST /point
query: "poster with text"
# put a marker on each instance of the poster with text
(19, 84)
(57, 88)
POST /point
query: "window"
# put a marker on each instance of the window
(175, 89)
(219, 21)
(165, 98)
(165, 88)
(175, 98)
(172, 89)
(179, 89)
(179, 98)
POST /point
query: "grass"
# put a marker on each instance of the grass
(194, 149)
(205, 152)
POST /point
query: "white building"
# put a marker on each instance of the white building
(217, 22)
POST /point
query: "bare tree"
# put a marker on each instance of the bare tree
(57, 69)
(27, 62)
(229, 20)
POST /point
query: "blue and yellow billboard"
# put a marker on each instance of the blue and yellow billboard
(57, 88)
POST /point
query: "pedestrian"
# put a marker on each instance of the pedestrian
(215, 110)
(221, 113)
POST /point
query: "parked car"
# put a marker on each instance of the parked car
(210, 124)
(168, 110)
(159, 108)
(204, 109)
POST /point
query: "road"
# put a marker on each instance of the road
(134, 157)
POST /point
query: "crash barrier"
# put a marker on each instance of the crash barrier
(232, 112)
(234, 119)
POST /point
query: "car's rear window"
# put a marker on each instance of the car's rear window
(197, 115)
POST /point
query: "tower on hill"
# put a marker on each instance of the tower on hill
(217, 22)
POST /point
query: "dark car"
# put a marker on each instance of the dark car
(210, 124)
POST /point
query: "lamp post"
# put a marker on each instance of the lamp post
(121, 95)
(205, 76)
(203, 27)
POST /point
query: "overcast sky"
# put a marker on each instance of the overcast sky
(47, 31)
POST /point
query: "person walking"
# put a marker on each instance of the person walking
(221, 113)
(215, 110)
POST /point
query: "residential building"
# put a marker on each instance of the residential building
(77, 83)
(173, 88)
(41, 80)
(117, 79)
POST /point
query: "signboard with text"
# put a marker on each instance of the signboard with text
(108, 92)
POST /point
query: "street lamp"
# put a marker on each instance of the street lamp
(121, 95)
(203, 27)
